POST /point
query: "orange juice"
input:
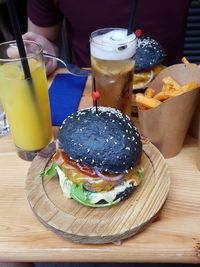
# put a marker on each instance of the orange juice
(26, 104)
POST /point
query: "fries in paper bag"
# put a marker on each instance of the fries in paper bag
(167, 106)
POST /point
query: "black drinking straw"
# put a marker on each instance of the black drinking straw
(18, 37)
(132, 16)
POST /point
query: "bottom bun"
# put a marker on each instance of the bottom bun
(101, 203)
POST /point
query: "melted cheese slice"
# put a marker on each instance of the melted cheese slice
(95, 183)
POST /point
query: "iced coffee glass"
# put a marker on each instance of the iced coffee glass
(25, 101)
(112, 61)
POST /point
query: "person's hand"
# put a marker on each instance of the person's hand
(48, 47)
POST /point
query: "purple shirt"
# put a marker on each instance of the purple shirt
(164, 21)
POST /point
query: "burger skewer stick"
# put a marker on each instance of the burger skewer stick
(95, 94)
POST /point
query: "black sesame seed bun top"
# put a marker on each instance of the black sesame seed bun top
(106, 140)
(148, 53)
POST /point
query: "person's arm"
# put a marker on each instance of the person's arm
(47, 37)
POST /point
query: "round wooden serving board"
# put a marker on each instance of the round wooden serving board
(71, 220)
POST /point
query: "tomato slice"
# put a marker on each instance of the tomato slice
(60, 157)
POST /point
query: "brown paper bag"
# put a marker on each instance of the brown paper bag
(194, 125)
(166, 125)
(198, 151)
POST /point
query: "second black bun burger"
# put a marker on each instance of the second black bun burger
(148, 53)
(99, 155)
(149, 56)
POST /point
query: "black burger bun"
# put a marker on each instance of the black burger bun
(106, 140)
(148, 53)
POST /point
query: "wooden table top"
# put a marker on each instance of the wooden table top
(174, 237)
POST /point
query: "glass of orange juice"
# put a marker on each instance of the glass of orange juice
(25, 101)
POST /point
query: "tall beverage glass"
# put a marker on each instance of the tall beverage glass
(25, 101)
(113, 60)
(4, 127)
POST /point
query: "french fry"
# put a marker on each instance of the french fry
(185, 61)
(169, 90)
(170, 84)
(141, 107)
(189, 86)
(149, 92)
(164, 95)
(146, 102)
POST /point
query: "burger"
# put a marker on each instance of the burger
(148, 53)
(98, 157)
(149, 56)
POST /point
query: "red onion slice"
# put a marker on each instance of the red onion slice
(83, 167)
(107, 178)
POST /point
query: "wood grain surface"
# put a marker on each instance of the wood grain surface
(78, 223)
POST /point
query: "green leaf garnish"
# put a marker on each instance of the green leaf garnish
(78, 193)
(81, 195)
(140, 174)
(50, 171)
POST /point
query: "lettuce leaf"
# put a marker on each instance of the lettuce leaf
(140, 174)
(79, 194)
(50, 171)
